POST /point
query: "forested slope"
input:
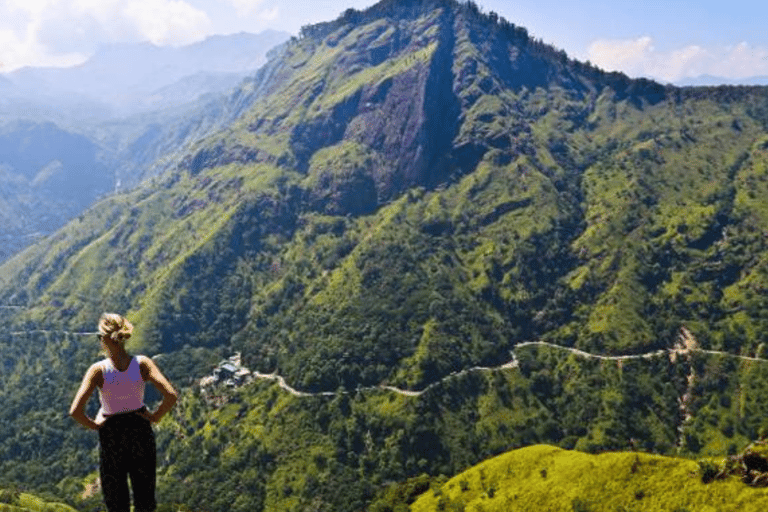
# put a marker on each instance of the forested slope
(417, 189)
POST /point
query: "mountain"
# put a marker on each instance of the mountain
(433, 239)
(47, 174)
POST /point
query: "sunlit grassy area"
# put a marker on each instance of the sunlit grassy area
(548, 478)
(22, 502)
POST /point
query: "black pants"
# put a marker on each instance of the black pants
(127, 449)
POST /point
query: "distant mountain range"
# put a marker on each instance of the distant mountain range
(709, 80)
(137, 77)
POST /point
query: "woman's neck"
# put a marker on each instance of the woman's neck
(120, 358)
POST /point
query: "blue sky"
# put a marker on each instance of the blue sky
(666, 40)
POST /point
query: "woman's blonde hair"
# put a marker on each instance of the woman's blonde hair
(115, 327)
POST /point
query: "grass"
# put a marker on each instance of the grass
(25, 502)
(543, 477)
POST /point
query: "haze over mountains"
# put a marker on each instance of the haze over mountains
(70, 135)
(125, 79)
(386, 217)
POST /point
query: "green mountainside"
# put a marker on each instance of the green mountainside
(412, 194)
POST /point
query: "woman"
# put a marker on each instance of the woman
(126, 439)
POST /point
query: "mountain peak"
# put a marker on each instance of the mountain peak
(550, 65)
(418, 91)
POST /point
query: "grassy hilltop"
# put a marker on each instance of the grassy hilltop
(548, 478)
(12, 501)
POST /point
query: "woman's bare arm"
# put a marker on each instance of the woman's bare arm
(152, 373)
(77, 409)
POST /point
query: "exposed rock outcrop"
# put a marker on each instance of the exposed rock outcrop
(751, 466)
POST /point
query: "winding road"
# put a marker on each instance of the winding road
(513, 363)
(685, 346)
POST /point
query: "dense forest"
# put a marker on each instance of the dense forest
(417, 193)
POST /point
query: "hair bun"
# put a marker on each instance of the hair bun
(115, 327)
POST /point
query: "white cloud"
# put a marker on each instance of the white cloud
(30, 6)
(639, 57)
(246, 7)
(63, 32)
(743, 60)
(168, 21)
(19, 47)
(270, 14)
(255, 9)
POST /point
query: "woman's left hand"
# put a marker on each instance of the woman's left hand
(144, 413)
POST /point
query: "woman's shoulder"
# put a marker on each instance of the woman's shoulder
(99, 365)
(96, 373)
(141, 359)
(144, 365)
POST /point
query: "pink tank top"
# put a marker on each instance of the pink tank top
(122, 391)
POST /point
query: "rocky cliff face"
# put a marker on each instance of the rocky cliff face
(382, 101)
(378, 93)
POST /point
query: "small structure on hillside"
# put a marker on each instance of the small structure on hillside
(229, 372)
